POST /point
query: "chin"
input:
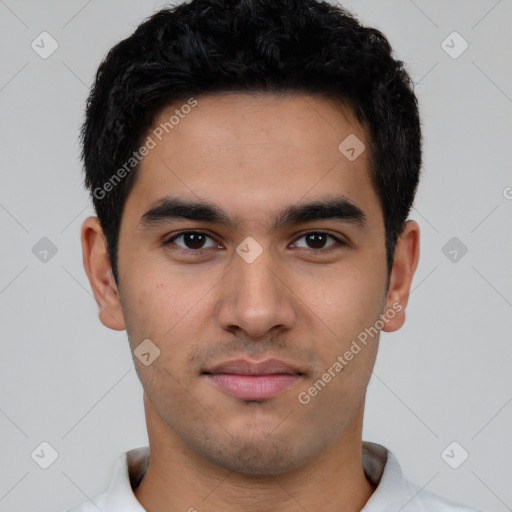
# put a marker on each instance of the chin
(266, 454)
(256, 459)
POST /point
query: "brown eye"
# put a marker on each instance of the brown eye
(191, 240)
(316, 240)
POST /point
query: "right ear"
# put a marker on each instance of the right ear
(99, 271)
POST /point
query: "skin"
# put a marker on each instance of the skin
(253, 154)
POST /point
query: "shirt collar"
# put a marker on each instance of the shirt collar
(128, 472)
(382, 469)
(380, 466)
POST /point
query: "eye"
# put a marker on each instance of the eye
(192, 240)
(317, 239)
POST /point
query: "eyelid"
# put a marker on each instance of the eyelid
(168, 240)
(338, 239)
(340, 242)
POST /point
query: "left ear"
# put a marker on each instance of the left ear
(405, 261)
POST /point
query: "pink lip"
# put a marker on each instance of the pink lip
(253, 387)
(253, 380)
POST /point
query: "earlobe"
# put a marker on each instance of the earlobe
(405, 261)
(99, 272)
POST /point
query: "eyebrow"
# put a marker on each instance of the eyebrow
(170, 208)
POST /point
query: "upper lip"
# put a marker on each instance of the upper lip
(247, 367)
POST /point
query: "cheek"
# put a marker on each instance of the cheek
(150, 308)
(161, 298)
(165, 315)
(170, 312)
(342, 302)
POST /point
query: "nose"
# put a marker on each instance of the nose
(255, 297)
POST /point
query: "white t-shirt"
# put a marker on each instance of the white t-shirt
(393, 492)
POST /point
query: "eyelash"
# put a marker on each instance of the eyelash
(338, 243)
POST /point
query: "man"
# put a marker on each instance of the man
(252, 165)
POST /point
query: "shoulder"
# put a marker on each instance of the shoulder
(90, 506)
(119, 497)
(426, 501)
(394, 492)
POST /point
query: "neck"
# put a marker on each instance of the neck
(179, 479)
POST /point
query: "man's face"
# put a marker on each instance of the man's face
(303, 300)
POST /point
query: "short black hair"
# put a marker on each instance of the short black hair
(275, 46)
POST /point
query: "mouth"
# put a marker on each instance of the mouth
(250, 380)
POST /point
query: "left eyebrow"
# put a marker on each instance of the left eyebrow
(338, 208)
(170, 208)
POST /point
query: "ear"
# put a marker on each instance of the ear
(405, 261)
(99, 271)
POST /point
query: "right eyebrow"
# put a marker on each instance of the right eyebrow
(169, 208)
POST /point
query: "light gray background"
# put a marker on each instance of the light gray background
(445, 376)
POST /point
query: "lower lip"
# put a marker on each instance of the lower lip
(253, 387)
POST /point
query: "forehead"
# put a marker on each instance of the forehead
(254, 154)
